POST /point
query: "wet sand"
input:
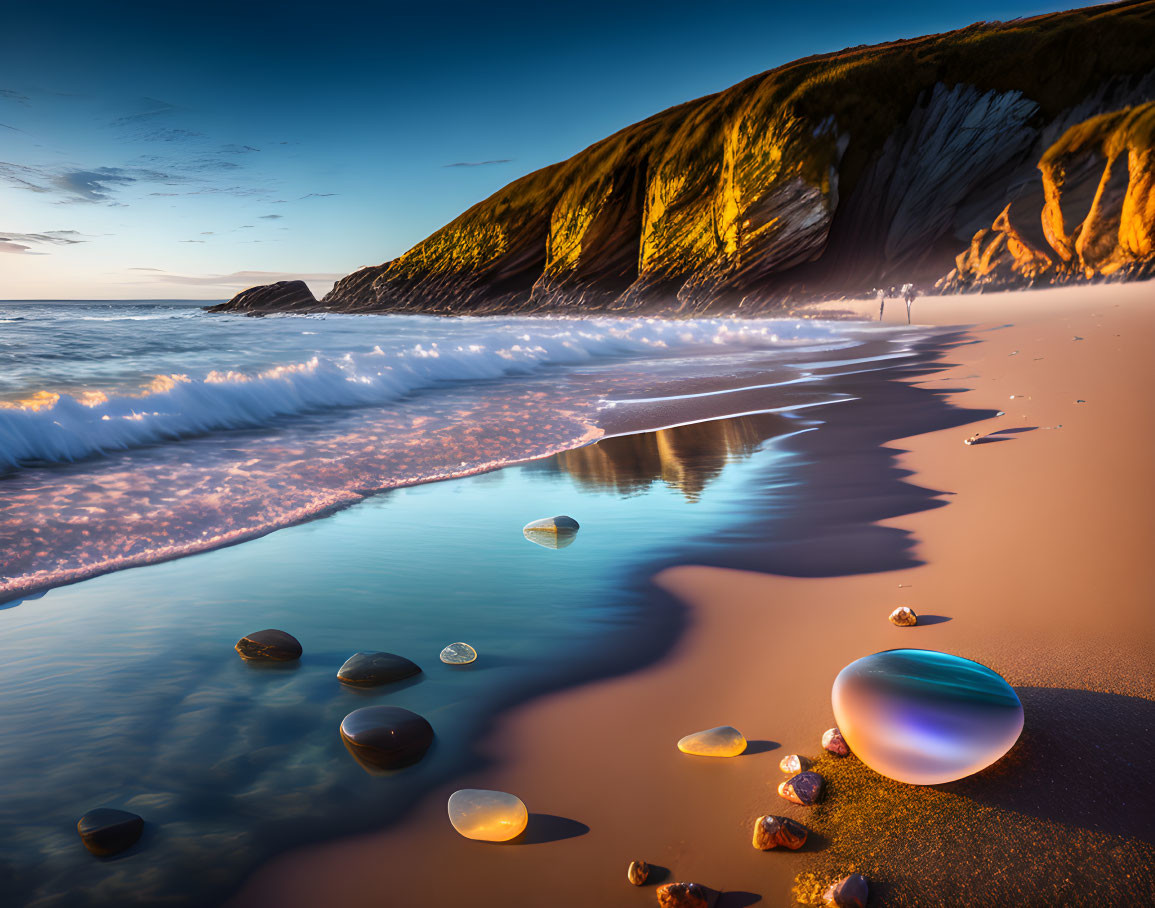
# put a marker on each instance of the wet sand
(1028, 552)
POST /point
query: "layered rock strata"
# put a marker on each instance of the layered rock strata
(869, 167)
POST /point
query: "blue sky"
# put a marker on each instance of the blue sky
(189, 151)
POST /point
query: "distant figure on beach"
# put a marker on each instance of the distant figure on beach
(908, 294)
(882, 295)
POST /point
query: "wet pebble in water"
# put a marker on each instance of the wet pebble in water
(107, 831)
(552, 532)
(458, 654)
(371, 669)
(386, 737)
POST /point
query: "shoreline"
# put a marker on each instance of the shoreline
(1011, 570)
(264, 743)
(569, 425)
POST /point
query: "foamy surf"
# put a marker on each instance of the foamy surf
(47, 426)
(125, 445)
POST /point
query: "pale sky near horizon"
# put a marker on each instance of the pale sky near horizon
(151, 152)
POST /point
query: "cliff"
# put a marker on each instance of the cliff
(833, 174)
(1095, 218)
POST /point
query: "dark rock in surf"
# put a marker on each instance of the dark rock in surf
(107, 831)
(283, 296)
(269, 646)
(372, 669)
(386, 737)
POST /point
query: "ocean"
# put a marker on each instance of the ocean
(133, 433)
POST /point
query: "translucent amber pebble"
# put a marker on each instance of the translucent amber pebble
(723, 741)
(488, 816)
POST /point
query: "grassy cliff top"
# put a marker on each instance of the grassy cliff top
(1052, 59)
(1109, 134)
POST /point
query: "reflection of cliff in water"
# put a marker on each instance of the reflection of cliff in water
(686, 458)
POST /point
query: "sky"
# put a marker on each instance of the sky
(187, 151)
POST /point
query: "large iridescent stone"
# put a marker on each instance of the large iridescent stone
(925, 717)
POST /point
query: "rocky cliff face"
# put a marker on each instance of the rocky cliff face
(1094, 218)
(828, 175)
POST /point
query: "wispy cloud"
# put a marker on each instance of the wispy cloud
(479, 163)
(238, 280)
(24, 243)
(55, 237)
(209, 164)
(92, 185)
(318, 195)
(7, 94)
(76, 184)
(149, 109)
(271, 217)
(172, 135)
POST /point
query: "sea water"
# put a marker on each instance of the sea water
(132, 433)
(124, 690)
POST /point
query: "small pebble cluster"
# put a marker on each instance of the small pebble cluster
(387, 738)
(803, 787)
(380, 738)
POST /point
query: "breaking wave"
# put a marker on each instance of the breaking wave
(52, 427)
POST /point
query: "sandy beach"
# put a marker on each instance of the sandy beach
(1036, 564)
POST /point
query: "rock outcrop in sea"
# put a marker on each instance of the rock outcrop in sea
(283, 296)
(831, 175)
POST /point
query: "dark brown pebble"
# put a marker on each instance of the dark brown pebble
(106, 831)
(269, 646)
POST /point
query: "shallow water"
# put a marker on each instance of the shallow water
(125, 691)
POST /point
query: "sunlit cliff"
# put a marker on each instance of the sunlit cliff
(830, 175)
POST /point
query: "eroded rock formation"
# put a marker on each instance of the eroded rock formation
(833, 174)
(1096, 216)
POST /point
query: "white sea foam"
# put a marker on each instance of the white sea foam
(55, 427)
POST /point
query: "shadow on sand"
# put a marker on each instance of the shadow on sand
(1084, 759)
(546, 827)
